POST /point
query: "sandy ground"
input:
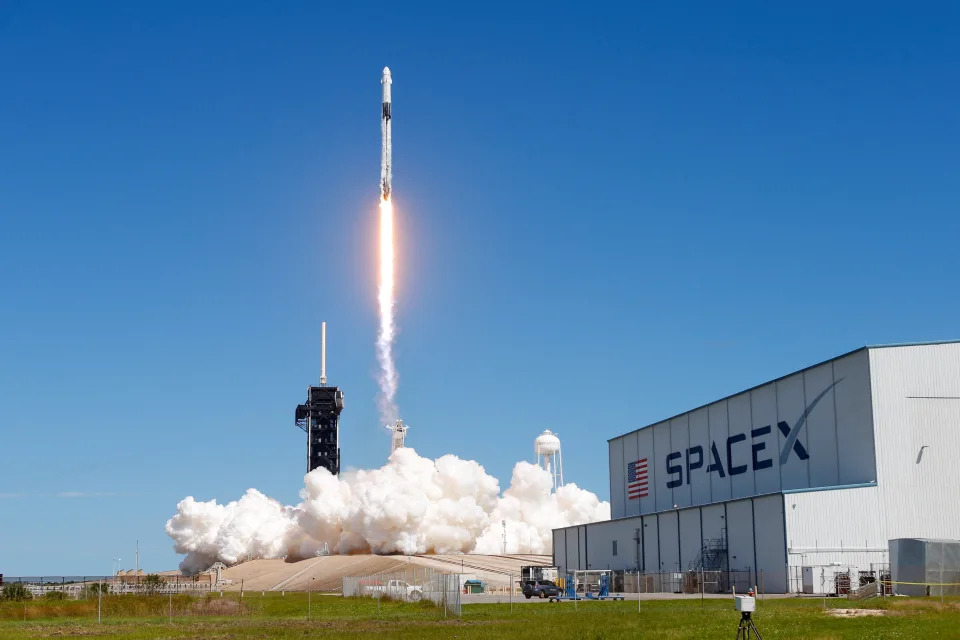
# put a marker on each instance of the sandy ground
(325, 573)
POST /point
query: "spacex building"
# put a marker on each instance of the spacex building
(819, 468)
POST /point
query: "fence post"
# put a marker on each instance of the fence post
(510, 588)
(171, 607)
(638, 592)
(99, 596)
(941, 575)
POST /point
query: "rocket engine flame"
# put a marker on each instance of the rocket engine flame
(388, 371)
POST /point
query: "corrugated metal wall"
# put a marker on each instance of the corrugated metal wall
(849, 519)
(691, 536)
(843, 527)
(669, 541)
(769, 543)
(560, 548)
(740, 535)
(672, 540)
(651, 544)
(917, 411)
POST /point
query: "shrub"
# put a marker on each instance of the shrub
(92, 589)
(152, 583)
(16, 592)
(55, 595)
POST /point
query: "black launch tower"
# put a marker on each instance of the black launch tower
(320, 418)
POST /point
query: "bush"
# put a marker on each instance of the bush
(92, 589)
(15, 592)
(55, 595)
(152, 583)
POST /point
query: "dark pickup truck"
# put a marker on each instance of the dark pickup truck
(540, 589)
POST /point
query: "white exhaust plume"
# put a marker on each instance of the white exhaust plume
(385, 299)
(410, 505)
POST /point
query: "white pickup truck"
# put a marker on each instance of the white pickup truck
(398, 589)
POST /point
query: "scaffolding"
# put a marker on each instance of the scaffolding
(712, 555)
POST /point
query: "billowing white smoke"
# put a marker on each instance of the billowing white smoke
(411, 505)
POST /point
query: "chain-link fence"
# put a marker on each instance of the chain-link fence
(689, 582)
(840, 580)
(78, 587)
(410, 584)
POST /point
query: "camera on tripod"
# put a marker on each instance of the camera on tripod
(746, 605)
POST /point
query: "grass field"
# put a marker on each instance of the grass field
(276, 616)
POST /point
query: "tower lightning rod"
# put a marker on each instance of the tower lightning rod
(323, 354)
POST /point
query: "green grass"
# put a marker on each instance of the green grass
(276, 616)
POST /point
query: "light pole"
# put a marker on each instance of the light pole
(117, 570)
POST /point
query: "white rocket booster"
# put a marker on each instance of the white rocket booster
(386, 171)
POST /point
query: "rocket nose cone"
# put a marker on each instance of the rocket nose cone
(386, 71)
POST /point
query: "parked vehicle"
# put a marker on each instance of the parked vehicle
(540, 589)
(398, 589)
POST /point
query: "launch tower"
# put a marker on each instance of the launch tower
(320, 418)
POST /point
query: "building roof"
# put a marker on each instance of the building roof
(908, 344)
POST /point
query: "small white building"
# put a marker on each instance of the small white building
(820, 467)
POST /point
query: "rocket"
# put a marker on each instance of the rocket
(386, 172)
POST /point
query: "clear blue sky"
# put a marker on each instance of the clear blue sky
(606, 215)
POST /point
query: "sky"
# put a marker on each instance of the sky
(606, 214)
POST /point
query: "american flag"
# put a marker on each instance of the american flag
(637, 479)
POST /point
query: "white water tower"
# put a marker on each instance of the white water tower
(547, 448)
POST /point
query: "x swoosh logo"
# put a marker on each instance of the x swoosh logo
(791, 441)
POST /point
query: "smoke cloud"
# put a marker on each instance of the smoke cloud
(410, 505)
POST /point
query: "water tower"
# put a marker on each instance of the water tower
(547, 448)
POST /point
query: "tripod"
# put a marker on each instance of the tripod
(746, 626)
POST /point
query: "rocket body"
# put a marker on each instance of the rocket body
(386, 171)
